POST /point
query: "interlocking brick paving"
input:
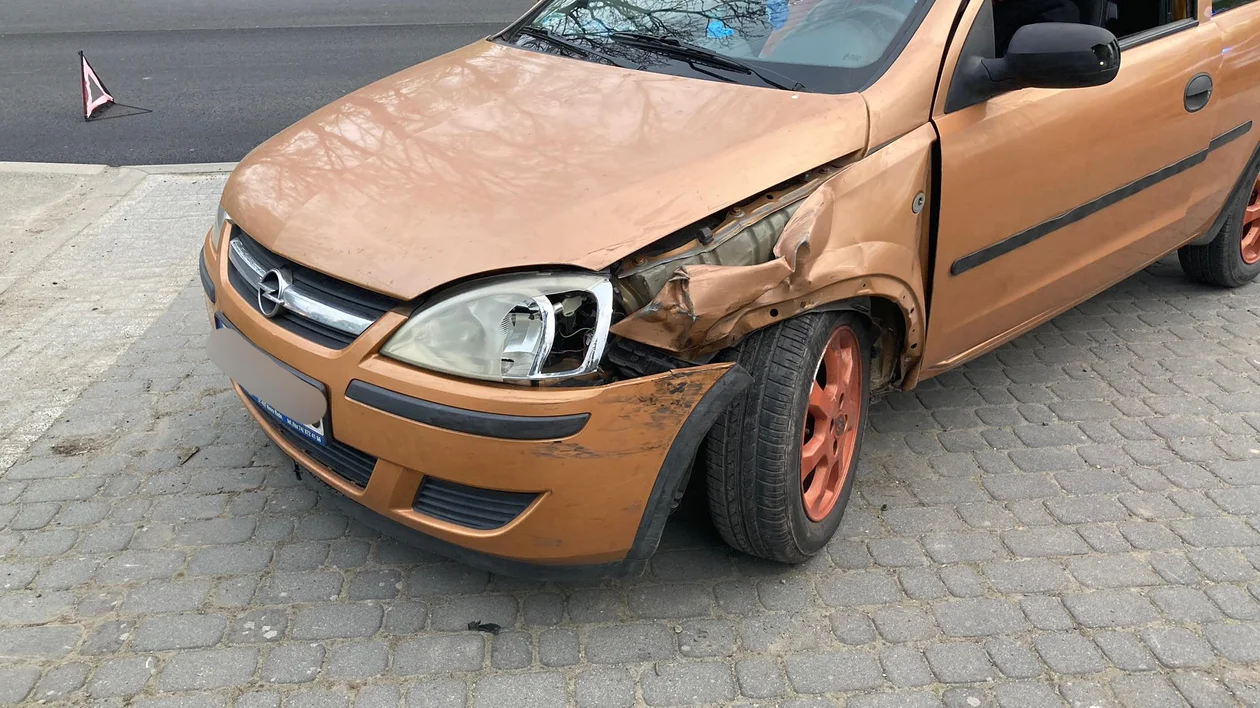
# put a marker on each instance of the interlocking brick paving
(1074, 518)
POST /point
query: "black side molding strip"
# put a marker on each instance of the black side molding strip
(1221, 141)
(1023, 238)
(462, 420)
(206, 283)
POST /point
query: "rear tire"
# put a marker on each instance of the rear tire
(761, 498)
(1232, 259)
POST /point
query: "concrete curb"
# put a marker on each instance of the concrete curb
(58, 168)
(186, 169)
(70, 168)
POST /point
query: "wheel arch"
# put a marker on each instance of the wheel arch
(896, 332)
(889, 328)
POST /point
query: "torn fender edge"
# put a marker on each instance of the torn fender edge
(681, 317)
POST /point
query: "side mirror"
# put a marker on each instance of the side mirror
(1057, 55)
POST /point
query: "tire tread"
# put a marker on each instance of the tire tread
(752, 442)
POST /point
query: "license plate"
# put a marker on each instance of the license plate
(248, 363)
(314, 433)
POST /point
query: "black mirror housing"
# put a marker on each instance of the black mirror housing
(1058, 55)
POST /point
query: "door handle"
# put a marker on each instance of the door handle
(1198, 93)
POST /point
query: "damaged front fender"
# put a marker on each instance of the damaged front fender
(861, 233)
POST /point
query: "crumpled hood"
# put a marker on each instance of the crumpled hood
(493, 158)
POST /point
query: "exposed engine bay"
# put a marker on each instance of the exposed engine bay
(848, 235)
(742, 236)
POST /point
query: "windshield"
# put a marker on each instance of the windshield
(851, 38)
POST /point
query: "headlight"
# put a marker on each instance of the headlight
(221, 222)
(528, 327)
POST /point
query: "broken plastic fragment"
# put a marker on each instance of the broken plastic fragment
(478, 626)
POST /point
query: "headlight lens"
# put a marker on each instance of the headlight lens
(511, 328)
(221, 221)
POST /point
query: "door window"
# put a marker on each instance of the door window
(1124, 18)
(1219, 6)
(1127, 18)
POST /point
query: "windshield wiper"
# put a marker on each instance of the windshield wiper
(686, 50)
(563, 42)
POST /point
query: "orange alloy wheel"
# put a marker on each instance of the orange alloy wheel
(1251, 228)
(831, 424)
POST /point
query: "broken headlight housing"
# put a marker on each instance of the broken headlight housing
(521, 327)
(742, 236)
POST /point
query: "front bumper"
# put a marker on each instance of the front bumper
(601, 466)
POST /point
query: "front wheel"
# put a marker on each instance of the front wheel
(781, 459)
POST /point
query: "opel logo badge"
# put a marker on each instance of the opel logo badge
(271, 292)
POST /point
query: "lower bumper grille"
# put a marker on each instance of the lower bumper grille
(350, 463)
(471, 507)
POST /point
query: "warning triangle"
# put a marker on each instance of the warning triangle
(95, 96)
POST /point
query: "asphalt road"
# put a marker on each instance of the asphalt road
(27, 16)
(219, 78)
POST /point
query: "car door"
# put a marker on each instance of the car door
(1048, 196)
(1237, 97)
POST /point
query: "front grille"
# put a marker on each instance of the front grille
(334, 293)
(471, 507)
(350, 463)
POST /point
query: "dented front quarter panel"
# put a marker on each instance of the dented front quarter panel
(857, 235)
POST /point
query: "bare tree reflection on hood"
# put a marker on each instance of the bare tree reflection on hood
(819, 33)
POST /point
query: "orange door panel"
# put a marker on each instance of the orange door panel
(1049, 196)
(1239, 84)
(1237, 101)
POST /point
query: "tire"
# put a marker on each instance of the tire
(759, 499)
(1232, 259)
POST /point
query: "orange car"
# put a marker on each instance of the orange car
(510, 300)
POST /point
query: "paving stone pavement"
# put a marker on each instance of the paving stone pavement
(1073, 519)
(66, 271)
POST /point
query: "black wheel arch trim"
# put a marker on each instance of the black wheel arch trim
(681, 455)
(1027, 236)
(462, 420)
